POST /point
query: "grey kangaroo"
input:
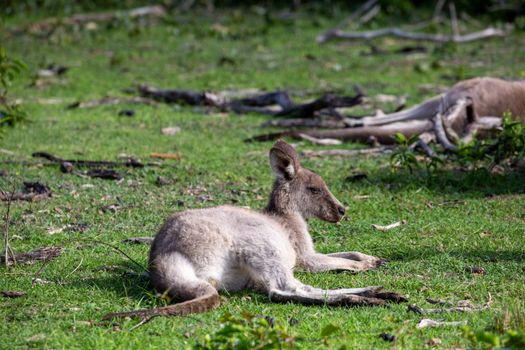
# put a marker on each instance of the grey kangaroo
(198, 252)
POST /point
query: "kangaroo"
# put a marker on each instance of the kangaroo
(471, 108)
(198, 252)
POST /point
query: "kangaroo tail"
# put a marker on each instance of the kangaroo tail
(198, 305)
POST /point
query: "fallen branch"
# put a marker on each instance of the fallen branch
(188, 97)
(111, 101)
(367, 6)
(33, 191)
(12, 294)
(437, 38)
(107, 174)
(258, 103)
(130, 162)
(97, 17)
(8, 251)
(307, 110)
(460, 306)
(39, 254)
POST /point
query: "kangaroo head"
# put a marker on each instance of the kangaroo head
(299, 190)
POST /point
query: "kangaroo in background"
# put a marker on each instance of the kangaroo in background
(472, 108)
(198, 252)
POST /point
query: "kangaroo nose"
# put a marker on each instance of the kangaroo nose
(341, 210)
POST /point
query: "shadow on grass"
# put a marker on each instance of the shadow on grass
(477, 183)
(126, 281)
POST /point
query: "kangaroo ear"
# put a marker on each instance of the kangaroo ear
(284, 160)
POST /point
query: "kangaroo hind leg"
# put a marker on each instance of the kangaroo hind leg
(174, 276)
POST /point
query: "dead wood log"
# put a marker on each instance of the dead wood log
(437, 38)
(326, 101)
(188, 97)
(256, 103)
(281, 98)
(155, 11)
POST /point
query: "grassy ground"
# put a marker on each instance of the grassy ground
(455, 219)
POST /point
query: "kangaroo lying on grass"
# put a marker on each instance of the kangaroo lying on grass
(198, 252)
(471, 108)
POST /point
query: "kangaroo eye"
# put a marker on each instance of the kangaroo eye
(314, 190)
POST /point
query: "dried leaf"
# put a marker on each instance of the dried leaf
(166, 156)
(388, 227)
(172, 130)
(426, 322)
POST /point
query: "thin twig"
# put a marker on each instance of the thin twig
(75, 269)
(142, 322)
(454, 19)
(354, 16)
(118, 250)
(437, 38)
(437, 10)
(7, 246)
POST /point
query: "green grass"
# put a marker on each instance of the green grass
(454, 220)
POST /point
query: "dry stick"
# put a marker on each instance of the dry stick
(111, 101)
(76, 268)
(51, 23)
(8, 251)
(454, 19)
(118, 250)
(374, 11)
(437, 10)
(258, 103)
(438, 38)
(356, 14)
(37, 274)
(142, 322)
(90, 163)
